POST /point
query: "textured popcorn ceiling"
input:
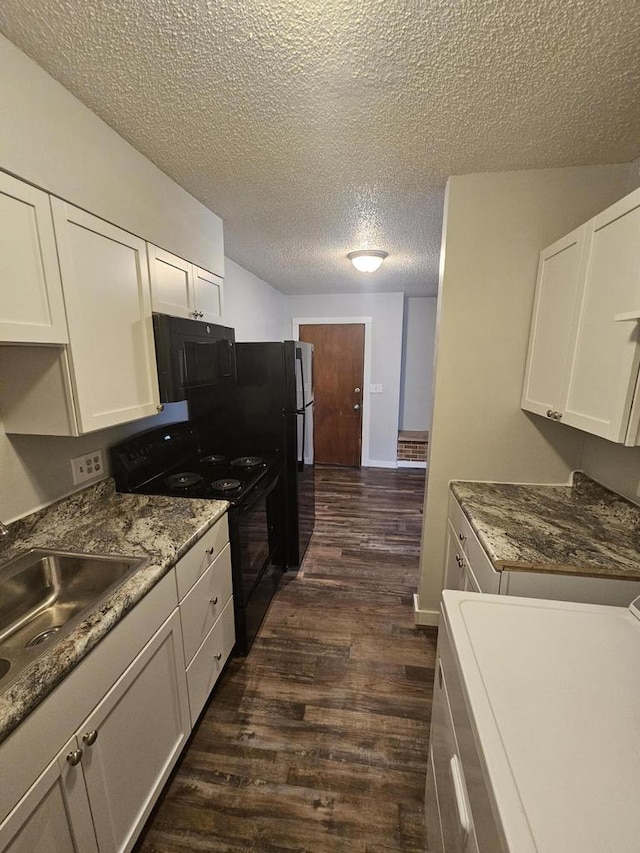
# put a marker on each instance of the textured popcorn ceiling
(316, 127)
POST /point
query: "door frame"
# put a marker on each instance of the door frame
(367, 322)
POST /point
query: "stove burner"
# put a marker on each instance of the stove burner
(214, 459)
(247, 461)
(182, 480)
(226, 485)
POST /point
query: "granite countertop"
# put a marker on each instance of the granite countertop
(100, 520)
(582, 529)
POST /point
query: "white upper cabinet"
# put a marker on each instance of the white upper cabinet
(583, 362)
(106, 288)
(553, 313)
(32, 307)
(604, 363)
(182, 289)
(107, 375)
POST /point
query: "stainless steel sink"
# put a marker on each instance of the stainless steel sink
(44, 594)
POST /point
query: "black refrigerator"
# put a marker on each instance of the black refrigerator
(272, 412)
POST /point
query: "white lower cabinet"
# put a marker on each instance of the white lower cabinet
(468, 567)
(127, 764)
(84, 769)
(206, 610)
(54, 816)
(100, 789)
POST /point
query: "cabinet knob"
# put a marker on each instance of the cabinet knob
(210, 551)
(213, 600)
(74, 757)
(550, 413)
(459, 560)
(90, 737)
(557, 416)
(356, 406)
(160, 407)
(462, 537)
(218, 656)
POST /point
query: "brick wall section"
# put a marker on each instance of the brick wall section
(412, 446)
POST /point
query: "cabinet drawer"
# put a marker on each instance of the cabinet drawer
(459, 523)
(205, 602)
(482, 570)
(206, 666)
(196, 561)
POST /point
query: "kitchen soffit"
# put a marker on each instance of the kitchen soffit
(316, 128)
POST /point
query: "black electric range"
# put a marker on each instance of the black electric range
(175, 461)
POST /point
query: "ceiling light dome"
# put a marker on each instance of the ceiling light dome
(367, 260)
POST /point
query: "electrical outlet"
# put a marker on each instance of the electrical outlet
(87, 467)
(375, 389)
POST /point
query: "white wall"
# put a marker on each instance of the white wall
(494, 228)
(255, 309)
(386, 312)
(50, 138)
(416, 392)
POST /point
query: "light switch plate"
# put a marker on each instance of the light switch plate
(375, 389)
(87, 467)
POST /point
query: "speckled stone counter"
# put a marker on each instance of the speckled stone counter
(582, 529)
(99, 520)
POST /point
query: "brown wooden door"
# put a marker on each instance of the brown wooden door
(338, 367)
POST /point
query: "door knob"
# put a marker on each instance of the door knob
(356, 406)
(356, 390)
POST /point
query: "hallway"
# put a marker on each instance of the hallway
(316, 742)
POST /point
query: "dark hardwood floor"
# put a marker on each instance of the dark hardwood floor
(317, 741)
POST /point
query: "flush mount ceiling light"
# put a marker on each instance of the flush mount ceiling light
(367, 260)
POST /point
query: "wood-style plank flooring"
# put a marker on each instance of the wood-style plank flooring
(317, 741)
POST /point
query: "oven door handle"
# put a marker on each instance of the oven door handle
(260, 494)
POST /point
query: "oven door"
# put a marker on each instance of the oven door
(254, 532)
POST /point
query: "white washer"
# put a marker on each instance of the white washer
(552, 692)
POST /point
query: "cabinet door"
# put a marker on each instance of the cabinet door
(454, 577)
(134, 737)
(106, 286)
(54, 815)
(207, 290)
(171, 283)
(32, 307)
(605, 358)
(552, 322)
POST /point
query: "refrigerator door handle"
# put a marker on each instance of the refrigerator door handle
(299, 359)
(304, 433)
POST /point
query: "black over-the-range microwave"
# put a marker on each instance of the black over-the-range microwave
(192, 355)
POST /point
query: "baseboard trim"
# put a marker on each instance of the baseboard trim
(424, 617)
(408, 464)
(376, 463)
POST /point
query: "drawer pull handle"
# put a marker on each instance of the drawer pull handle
(90, 737)
(213, 600)
(458, 790)
(74, 757)
(218, 656)
(210, 551)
